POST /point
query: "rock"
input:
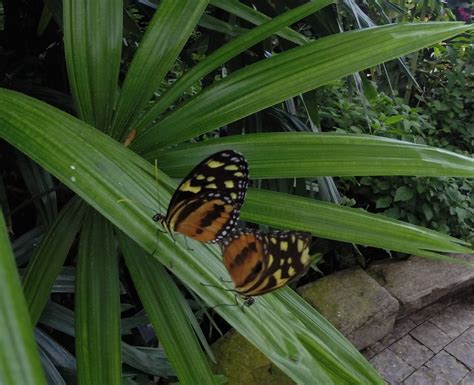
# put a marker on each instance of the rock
(355, 304)
(418, 282)
(244, 364)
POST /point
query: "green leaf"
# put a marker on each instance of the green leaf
(394, 119)
(382, 184)
(93, 45)
(224, 54)
(97, 304)
(218, 25)
(403, 194)
(58, 354)
(48, 259)
(166, 34)
(253, 16)
(146, 360)
(164, 304)
(383, 202)
(393, 212)
(46, 17)
(38, 182)
(56, 8)
(370, 89)
(105, 172)
(293, 72)
(332, 221)
(4, 203)
(427, 211)
(58, 317)
(19, 359)
(412, 218)
(288, 155)
(52, 374)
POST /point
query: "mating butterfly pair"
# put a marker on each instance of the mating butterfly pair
(206, 207)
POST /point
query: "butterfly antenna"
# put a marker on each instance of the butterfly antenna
(248, 301)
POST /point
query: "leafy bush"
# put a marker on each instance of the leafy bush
(443, 117)
(447, 78)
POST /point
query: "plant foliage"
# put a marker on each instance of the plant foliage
(116, 103)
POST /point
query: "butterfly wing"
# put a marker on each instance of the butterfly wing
(260, 262)
(287, 258)
(206, 205)
(243, 253)
(207, 217)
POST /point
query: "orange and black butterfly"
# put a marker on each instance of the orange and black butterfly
(259, 262)
(206, 205)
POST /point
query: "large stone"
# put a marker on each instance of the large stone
(244, 364)
(418, 282)
(355, 304)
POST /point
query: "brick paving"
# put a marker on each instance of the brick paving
(432, 346)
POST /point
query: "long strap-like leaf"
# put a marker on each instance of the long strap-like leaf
(164, 304)
(97, 304)
(104, 173)
(224, 54)
(19, 359)
(306, 155)
(293, 72)
(166, 34)
(93, 46)
(48, 259)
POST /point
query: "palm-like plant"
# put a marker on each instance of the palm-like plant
(115, 185)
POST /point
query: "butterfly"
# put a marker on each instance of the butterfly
(206, 205)
(259, 262)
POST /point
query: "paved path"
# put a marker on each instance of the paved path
(433, 346)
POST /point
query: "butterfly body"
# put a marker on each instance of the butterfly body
(206, 205)
(260, 262)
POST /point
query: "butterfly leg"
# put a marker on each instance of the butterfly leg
(247, 302)
(242, 306)
(225, 289)
(158, 231)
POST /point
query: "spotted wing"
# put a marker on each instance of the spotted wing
(260, 262)
(207, 217)
(206, 205)
(287, 258)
